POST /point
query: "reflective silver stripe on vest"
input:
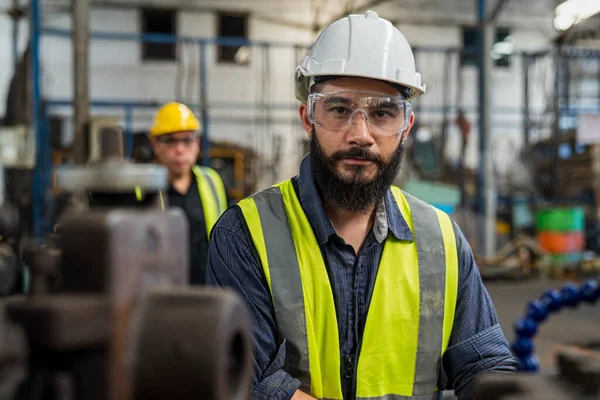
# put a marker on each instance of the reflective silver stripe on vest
(435, 396)
(288, 297)
(432, 282)
(213, 189)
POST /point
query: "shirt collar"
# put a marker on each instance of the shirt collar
(388, 215)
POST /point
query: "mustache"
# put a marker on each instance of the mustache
(357, 152)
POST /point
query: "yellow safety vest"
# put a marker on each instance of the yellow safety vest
(410, 315)
(212, 194)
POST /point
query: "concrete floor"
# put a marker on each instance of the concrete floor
(577, 327)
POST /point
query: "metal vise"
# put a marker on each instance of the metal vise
(9, 228)
(579, 378)
(110, 315)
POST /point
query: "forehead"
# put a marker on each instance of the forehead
(365, 84)
(180, 135)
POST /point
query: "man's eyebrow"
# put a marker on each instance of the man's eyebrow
(337, 99)
(388, 105)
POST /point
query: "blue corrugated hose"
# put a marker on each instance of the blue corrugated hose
(536, 312)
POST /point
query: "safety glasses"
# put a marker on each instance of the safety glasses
(385, 115)
(173, 141)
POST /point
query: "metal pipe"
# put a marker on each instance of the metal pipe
(481, 11)
(486, 173)
(15, 36)
(81, 41)
(204, 104)
(556, 108)
(526, 120)
(489, 184)
(38, 189)
(117, 103)
(168, 38)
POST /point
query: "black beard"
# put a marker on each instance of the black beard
(356, 194)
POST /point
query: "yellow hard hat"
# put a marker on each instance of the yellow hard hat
(174, 117)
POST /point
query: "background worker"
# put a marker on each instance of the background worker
(198, 190)
(356, 289)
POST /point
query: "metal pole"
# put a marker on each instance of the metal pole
(81, 40)
(486, 162)
(566, 61)
(557, 112)
(15, 36)
(481, 11)
(526, 124)
(38, 190)
(490, 185)
(204, 103)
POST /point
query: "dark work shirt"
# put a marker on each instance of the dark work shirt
(191, 204)
(477, 343)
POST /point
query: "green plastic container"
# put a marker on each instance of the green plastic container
(560, 220)
(433, 192)
(566, 259)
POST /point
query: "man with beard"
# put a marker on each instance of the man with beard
(355, 289)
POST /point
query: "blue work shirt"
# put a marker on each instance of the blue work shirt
(477, 343)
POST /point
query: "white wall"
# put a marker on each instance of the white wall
(117, 73)
(507, 86)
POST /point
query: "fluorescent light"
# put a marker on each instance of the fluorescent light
(571, 12)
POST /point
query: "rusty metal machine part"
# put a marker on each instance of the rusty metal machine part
(578, 379)
(110, 316)
(179, 356)
(112, 173)
(9, 264)
(13, 355)
(184, 339)
(110, 176)
(44, 261)
(9, 227)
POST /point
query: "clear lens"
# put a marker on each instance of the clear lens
(335, 111)
(172, 141)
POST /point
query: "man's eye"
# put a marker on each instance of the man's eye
(340, 110)
(381, 114)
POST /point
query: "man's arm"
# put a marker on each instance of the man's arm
(231, 263)
(477, 343)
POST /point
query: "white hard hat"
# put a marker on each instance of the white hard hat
(360, 46)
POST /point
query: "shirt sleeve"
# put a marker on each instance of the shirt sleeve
(232, 263)
(477, 343)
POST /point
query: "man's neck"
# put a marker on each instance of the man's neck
(351, 226)
(181, 182)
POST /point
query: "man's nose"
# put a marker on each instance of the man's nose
(180, 145)
(359, 133)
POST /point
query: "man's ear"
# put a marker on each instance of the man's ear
(411, 122)
(308, 126)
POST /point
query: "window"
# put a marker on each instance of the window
(233, 26)
(159, 21)
(469, 51)
(502, 48)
